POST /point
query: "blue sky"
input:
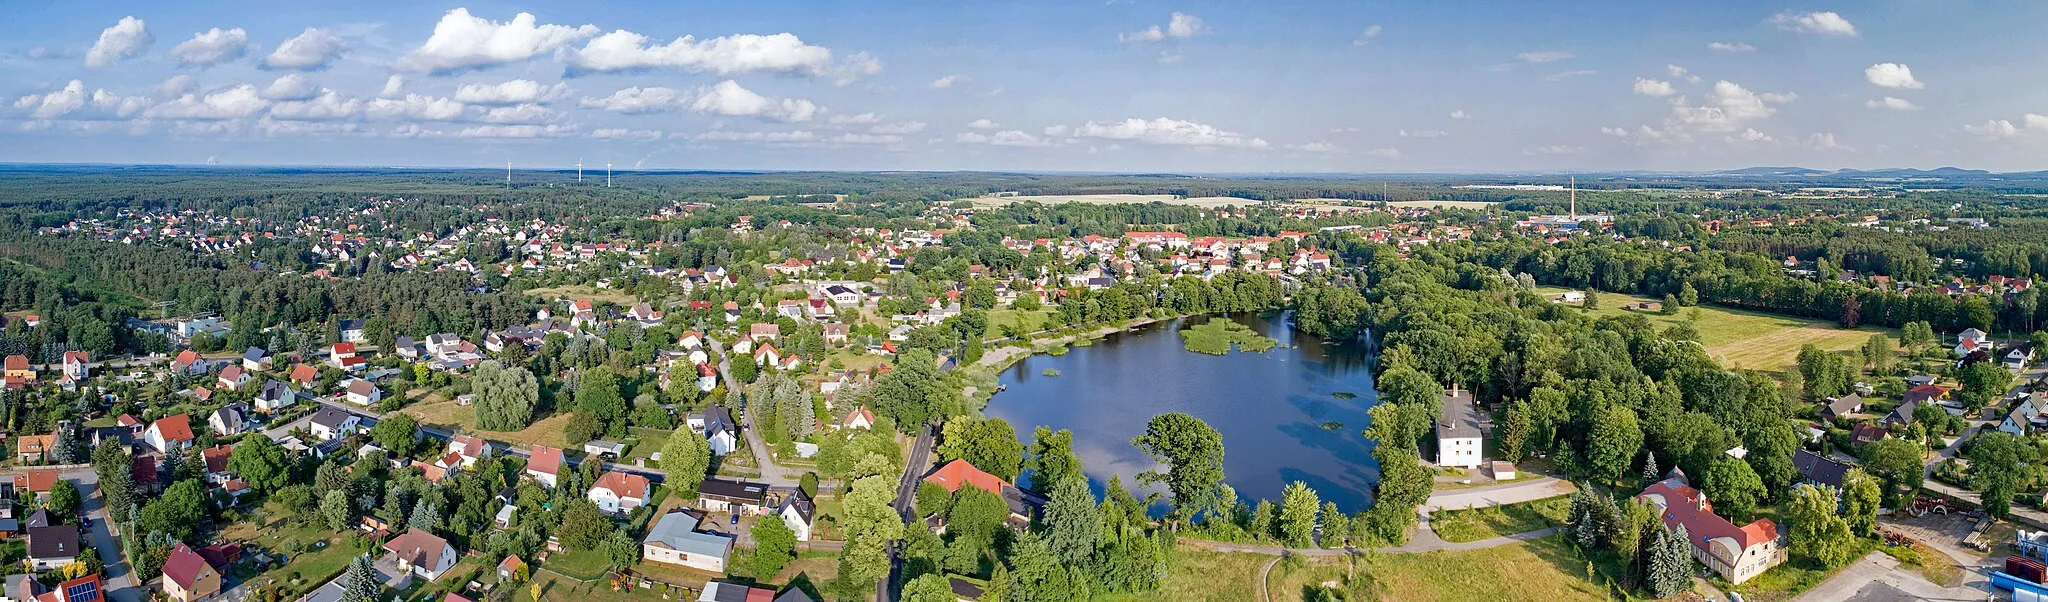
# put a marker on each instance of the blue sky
(1128, 85)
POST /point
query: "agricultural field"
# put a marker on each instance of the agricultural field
(1210, 202)
(1743, 339)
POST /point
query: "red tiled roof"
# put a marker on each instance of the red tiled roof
(176, 427)
(184, 566)
(959, 472)
(1686, 506)
(15, 362)
(624, 485)
(546, 460)
(217, 457)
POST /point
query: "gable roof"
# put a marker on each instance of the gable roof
(677, 530)
(54, 541)
(624, 485)
(184, 566)
(331, 418)
(1845, 404)
(1819, 469)
(546, 460)
(420, 548)
(175, 427)
(959, 472)
(1683, 505)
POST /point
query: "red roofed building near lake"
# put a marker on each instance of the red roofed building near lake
(1736, 553)
(959, 472)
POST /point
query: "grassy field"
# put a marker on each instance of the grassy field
(1113, 199)
(1495, 521)
(1787, 580)
(1541, 569)
(1023, 321)
(582, 292)
(546, 431)
(322, 553)
(1197, 575)
(1745, 339)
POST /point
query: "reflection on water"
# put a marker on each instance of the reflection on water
(1271, 407)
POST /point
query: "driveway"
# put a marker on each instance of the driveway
(1879, 577)
(771, 473)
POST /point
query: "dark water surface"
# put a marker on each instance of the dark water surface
(1271, 407)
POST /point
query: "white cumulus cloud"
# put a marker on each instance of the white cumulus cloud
(1650, 87)
(311, 50)
(1730, 47)
(127, 38)
(1825, 23)
(905, 127)
(983, 124)
(291, 86)
(1317, 147)
(212, 47)
(625, 134)
(636, 100)
(327, 106)
(1893, 103)
(518, 91)
(1892, 75)
(948, 81)
(414, 107)
(177, 85)
(526, 113)
(1180, 25)
(516, 131)
(1681, 73)
(463, 42)
(394, 87)
(1423, 133)
(1545, 56)
(1002, 138)
(623, 50)
(1164, 131)
(728, 99)
(857, 119)
(1459, 114)
(1388, 153)
(231, 103)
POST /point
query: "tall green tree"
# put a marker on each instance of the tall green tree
(987, 443)
(870, 525)
(505, 396)
(1612, 446)
(360, 583)
(1861, 495)
(1734, 488)
(774, 547)
(1052, 460)
(1983, 384)
(1818, 530)
(686, 457)
(1999, 463)
(1071, 524)
(1193, 454)
(1298, 505)
(1897, 463)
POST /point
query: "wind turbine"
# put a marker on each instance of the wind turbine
(508, 173)
(607, 174)
(579, 170)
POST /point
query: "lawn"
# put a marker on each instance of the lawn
(321, 554)
(1202, 575)
(1741, 338)
(1787, 580)
(649, 443)
(1024, 321)
(1539, 569)
(581, 292)
(1495, 521)
(446, 414)
(586, 565)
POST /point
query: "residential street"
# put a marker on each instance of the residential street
(1509, 493)
(914, 467)
(771, 473)
(119, 579)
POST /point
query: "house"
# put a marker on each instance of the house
(216, 460)
(2016, 358)
(1842, 406)
(1458, 439)
(619, 493)
(1924, 393)
(230, 419)
(352, 331)
(504, 516)
(764, 331)
(644, 314)
(233, 377)
(169, 431)
(720, 430)
(737, 497)
(82, 589)
(52, 546)
(329, 424)
(2028, 415)
(34, 449)
(37, 484)
(1971, 341)
(960, 473)
(707, 377)
(543, 464)
(275, 395)
(1735, 553)
(1820, 470)
(304, 375)
(1902, 414)
(343, 355)
(1865, 434)
(720, 591)
(77, 366)
(421, 553)
(362, 393)
(859, 418)
(15, 368)
(675, 540)
(512, 570)
(836, 333)
(470, 449)
(798, 512)
(255, 359)
(188, 362)
(188, 577)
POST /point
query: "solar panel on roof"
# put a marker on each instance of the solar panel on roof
(83, 592)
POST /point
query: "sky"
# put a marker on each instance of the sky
(1119, 86)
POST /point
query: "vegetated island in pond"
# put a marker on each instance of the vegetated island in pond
(1217, 335)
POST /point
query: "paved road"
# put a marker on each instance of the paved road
(906, 497)
(1506, 493)
(771, 473)
(1877, 571)
(119, 580)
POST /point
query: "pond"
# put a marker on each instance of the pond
(1290, 414)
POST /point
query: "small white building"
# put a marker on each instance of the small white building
(1458, 439)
